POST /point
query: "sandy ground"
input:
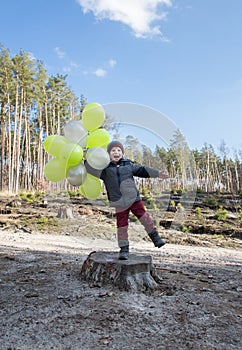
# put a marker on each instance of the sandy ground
(44, 303)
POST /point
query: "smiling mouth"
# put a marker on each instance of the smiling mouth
(116, 157)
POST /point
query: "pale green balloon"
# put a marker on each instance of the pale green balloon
(91, 188)
(98, 138)
(98, 158)
(53, 143)
(76, 175)
(55, 170)
(72, 154)
(75, 132)
(93, 116)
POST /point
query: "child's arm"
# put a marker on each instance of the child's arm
(92, 171)
(146, 172)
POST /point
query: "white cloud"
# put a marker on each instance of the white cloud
(70, 67)
(139, 15)
(100, 72)
(66, 69)
(112, 63)
(60, 54)
(74, 64)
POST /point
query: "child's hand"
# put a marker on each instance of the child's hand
(163, 175)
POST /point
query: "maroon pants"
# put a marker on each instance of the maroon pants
(122, 217)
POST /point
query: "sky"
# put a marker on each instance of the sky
(182, 58)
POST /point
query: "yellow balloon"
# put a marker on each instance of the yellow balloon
(98, 138)
(93, 116)
(71, 153)
(55, 170)
(91, 188)
(53, 143)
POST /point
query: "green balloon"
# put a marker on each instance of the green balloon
(53, 143)
(91, 188)
(98, 138)
(71, 153)
(93, 116)
(55, 170)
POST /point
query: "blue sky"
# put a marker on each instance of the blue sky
(182, 58)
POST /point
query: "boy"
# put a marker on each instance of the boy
(122, 193)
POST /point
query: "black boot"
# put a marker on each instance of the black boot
(124, 253)
(156, 239)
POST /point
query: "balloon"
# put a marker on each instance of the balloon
(98, 138)
(91, 188)
(75, 132)
(53, 144)
(97, 158)
(93, 116)
(55, 170)
(76, 175)
(72, 154)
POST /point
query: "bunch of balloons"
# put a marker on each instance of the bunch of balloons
(83, 140)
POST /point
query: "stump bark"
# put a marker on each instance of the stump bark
(65, 213)
(136, 274)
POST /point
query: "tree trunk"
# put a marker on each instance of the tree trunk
(3, 129)
(16, 121)
(18, 141)
(9, 148)
(136, 274)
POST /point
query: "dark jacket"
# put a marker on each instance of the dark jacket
(119, 181)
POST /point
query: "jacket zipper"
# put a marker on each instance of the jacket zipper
(118, 173)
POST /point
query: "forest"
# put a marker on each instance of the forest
(34, 105)
(197, 304)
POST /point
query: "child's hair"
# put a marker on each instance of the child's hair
(115, 144)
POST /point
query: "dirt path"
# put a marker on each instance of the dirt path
(45, 305)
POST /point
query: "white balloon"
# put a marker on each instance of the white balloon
(98, 158)
(75, 132)
(76, 175)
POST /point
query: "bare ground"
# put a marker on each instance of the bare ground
(44, 303)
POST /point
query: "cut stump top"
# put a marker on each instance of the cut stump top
(104, 268)
(108, 257)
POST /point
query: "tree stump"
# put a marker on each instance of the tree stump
(65, 213)
(136, 274)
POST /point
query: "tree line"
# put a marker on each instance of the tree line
(207, 170)
(34, 105)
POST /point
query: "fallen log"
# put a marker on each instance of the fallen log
(135, 274)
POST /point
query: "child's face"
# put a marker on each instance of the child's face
(116, 154)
